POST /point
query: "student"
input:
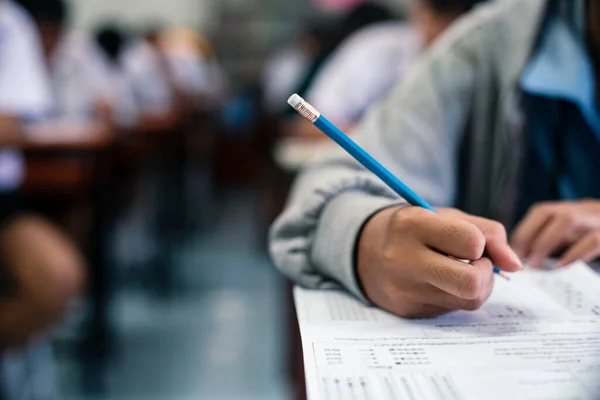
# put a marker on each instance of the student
(499, 119)
(112, 40)
(359, 17)
(40, 271)
(194, 66)
(287, 66)
(79, 79)
(147, 71)
(368, 64)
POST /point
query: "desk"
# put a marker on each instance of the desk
(64, 162)
(291, 153)
(73, 164)
(69, 137)
(537, 336)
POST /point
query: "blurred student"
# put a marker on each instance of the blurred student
(112, 41)
(286, 67)
(358, 18)
(193, 63)
(500, 119)
(369, 63)
(150, 77)
(40, 270)
(78, 74)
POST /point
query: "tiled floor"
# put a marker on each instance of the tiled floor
(222, 336)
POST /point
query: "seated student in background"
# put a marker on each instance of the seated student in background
(368, 64)
(112, 40)
(40, 270)
(499, 119)
(78, 74)
(155, 92)
(193, 63)
(285, 68)
(357, 18)
(141, 77)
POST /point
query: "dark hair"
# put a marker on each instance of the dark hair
(112, 39)
(54, 11)
(357, 18)
(363, 15)
(152, 31)
(453, 6)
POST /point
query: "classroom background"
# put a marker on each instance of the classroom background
(172, 213)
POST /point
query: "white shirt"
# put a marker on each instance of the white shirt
(144, 70)
(197, 76)
(122, 97)
(363, 69)
(81, 77)
(24, 88)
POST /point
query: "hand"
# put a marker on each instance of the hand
(405, 268)
(572, 228)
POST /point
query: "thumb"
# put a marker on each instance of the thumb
(502, 255)
(497, 248)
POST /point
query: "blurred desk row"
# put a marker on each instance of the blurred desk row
(288, 156)
(82, 177)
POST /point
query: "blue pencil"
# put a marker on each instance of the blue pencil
(314, 116)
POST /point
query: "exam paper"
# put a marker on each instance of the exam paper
(537, 338)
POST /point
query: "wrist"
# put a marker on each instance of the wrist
(334, 244)
(369, 245)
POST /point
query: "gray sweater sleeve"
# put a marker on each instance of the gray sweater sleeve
(415, 132)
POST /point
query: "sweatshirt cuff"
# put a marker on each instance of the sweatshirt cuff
(337, 233)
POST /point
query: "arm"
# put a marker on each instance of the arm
(415, 132)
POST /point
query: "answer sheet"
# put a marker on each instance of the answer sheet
(537, 338)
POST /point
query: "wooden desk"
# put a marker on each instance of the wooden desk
(69, 138)
(73, 164)
(292, 153)
(63, 162)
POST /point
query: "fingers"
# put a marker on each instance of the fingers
(474, 300)
(531, 226)
(427, 300)
(450, 236)
(497, 248)
(461, 236)
(528, 229)
(457, 279)
(587, 249)
(555, 235)
(406, 264)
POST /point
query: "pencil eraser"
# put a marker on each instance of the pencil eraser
(295, 100)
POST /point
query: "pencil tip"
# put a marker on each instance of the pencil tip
(502, 274)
